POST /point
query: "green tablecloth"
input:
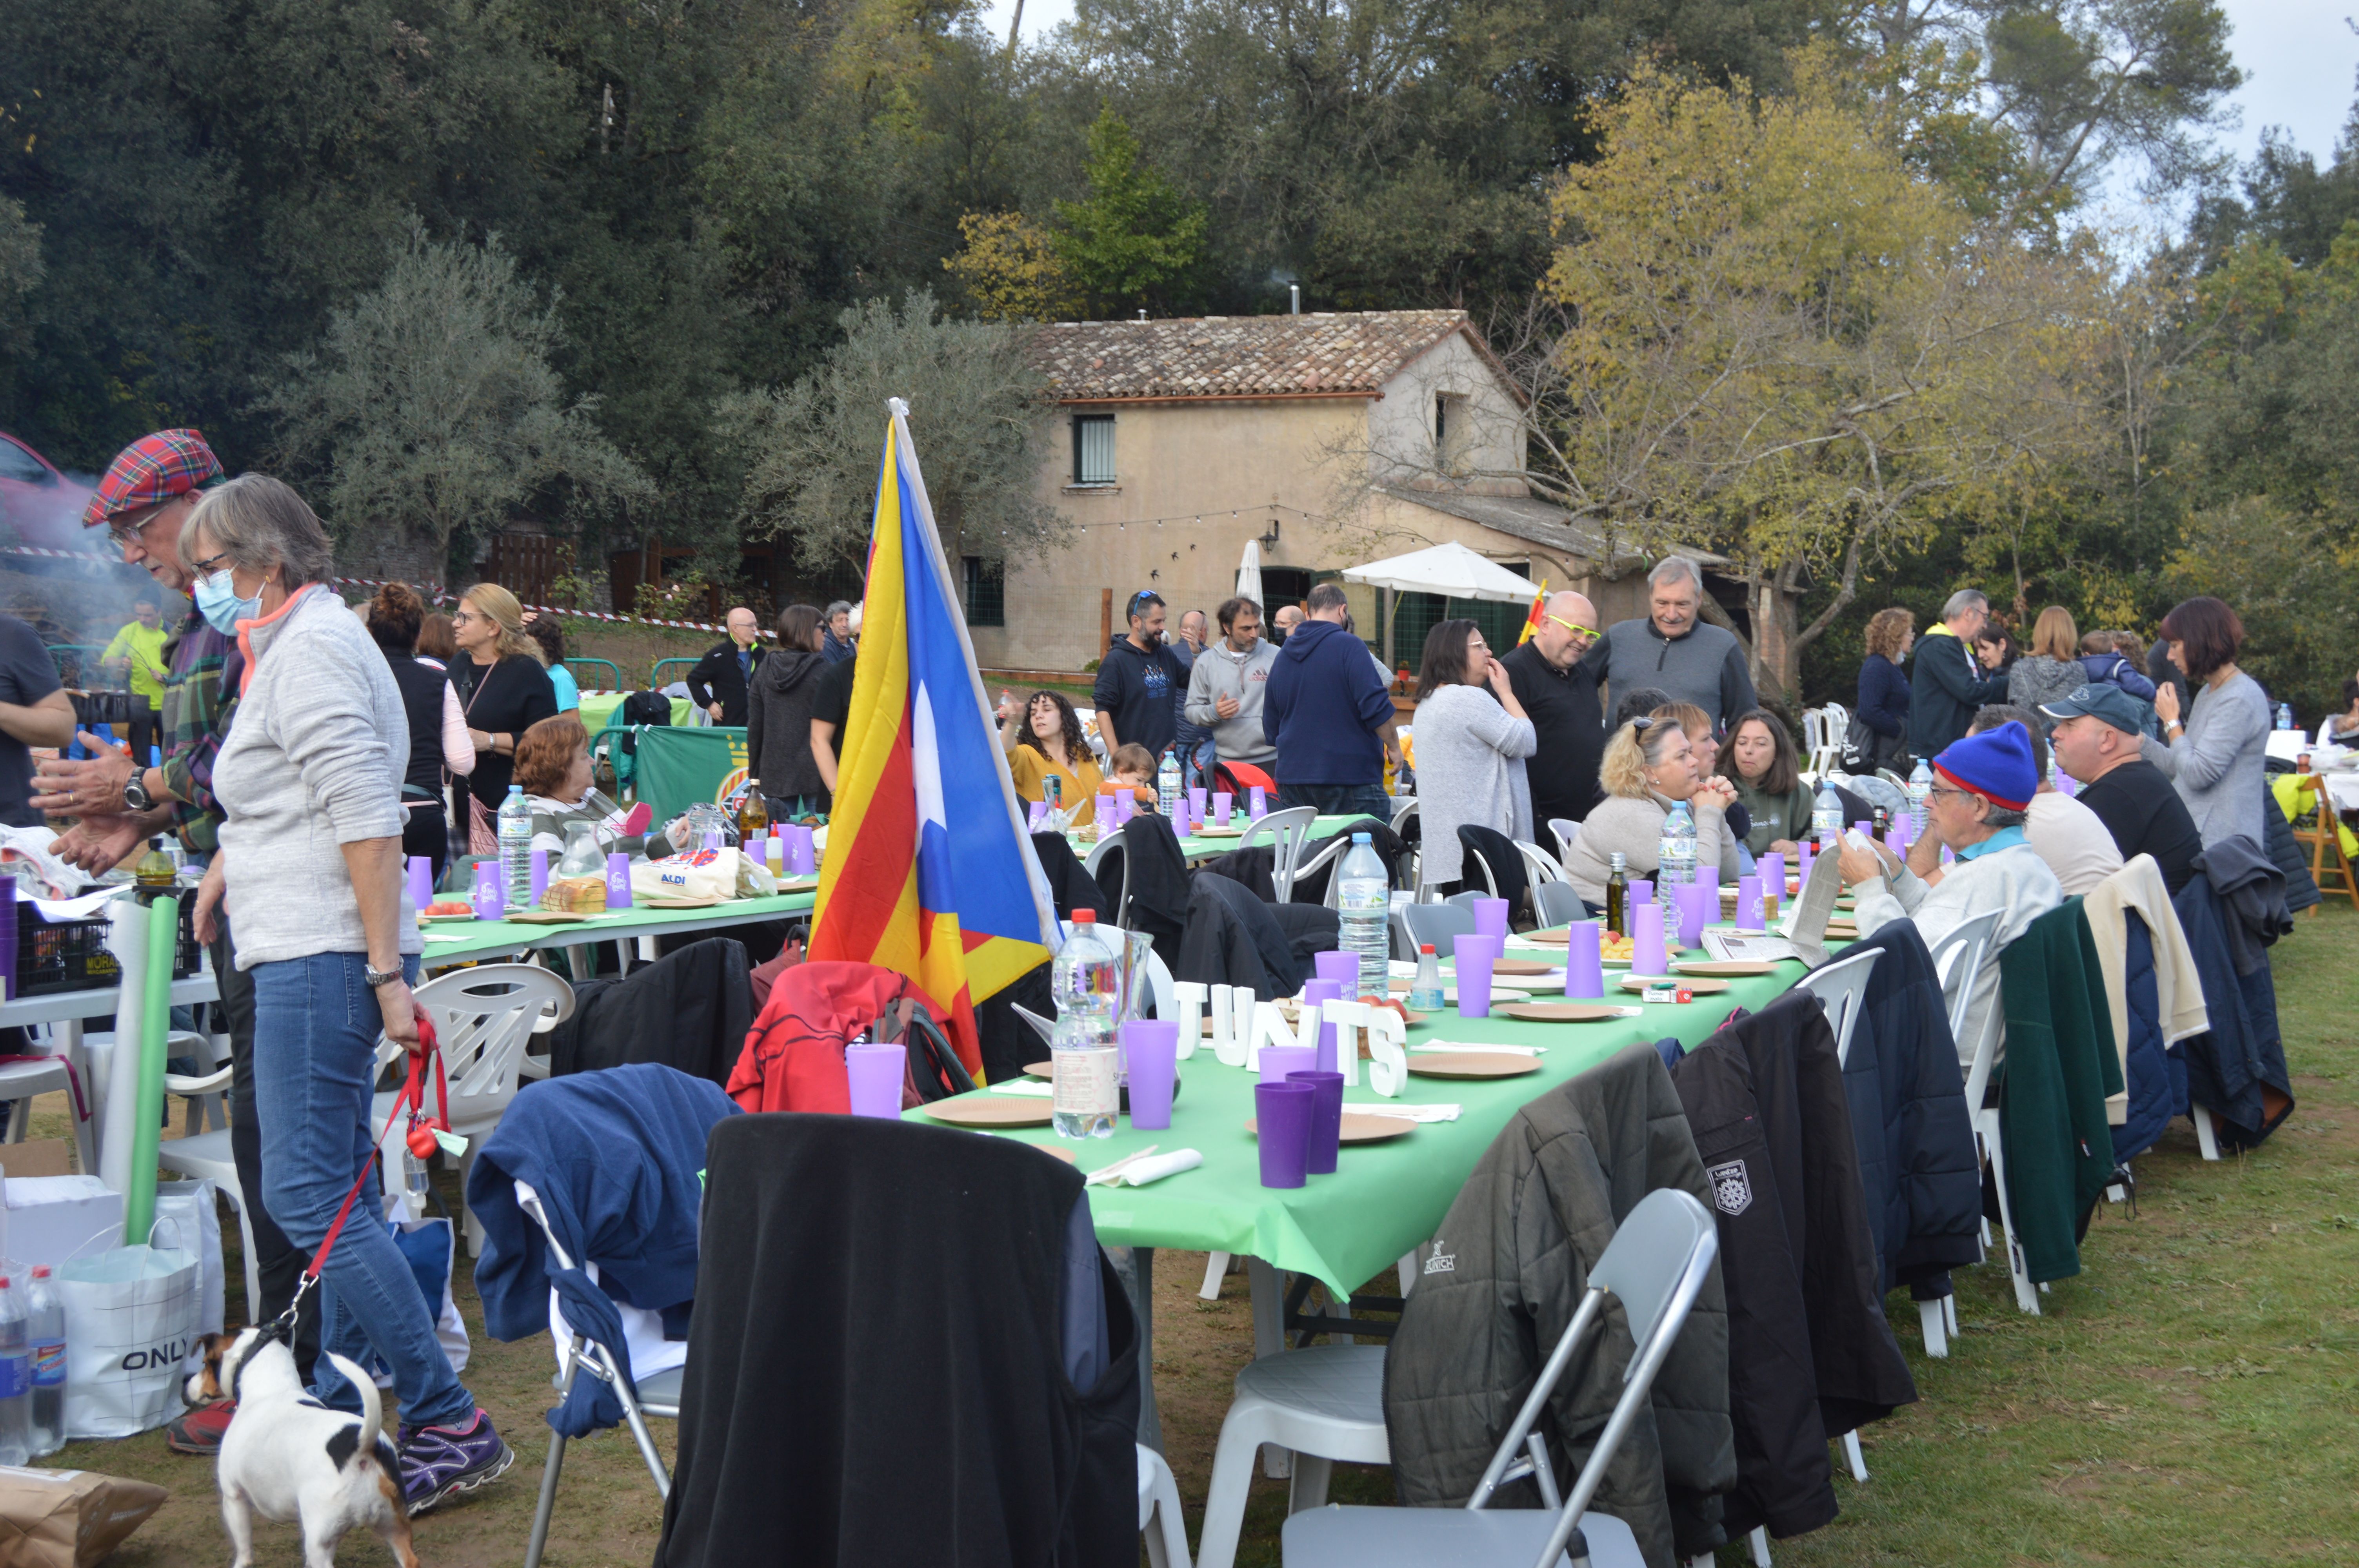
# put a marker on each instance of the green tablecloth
(598, 710)
(1196, 848)
(459, 941)
(1384, 1198)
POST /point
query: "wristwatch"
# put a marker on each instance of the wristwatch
(134, 792)
(379, 978)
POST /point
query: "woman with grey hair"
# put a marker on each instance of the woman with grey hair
(837, 642)
(310, 870)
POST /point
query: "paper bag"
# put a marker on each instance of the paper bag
(69, 1519)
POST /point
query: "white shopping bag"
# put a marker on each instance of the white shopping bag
(132, 1317)
(702, 874)
(187, 1217)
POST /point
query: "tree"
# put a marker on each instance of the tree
(975, 407)
(429, 412)
(1010, 270)
(1137, 239)
(20, 270)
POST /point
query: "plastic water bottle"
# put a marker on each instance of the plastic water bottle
(1084, 1065)
(1920, 790)
(16, 1377)
(516, 847)
(1425, 992)
(46, 1325)
(2285, 715)
(1364, 897)
(1169, 795)
(1826, 817)
(1675, 867)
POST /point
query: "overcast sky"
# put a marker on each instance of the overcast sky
(2298, 55)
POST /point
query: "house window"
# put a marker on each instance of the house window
(984, 586)
(1093, 448)
(1449, 431)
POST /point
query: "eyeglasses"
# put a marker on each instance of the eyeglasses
(209, 564)
(1940, 790)
(1577, 629)
(463, 617)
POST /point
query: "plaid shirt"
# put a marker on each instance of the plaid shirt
(197, 714)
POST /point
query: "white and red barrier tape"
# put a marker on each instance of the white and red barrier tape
(434, 594)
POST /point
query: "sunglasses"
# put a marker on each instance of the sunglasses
(1573, 627)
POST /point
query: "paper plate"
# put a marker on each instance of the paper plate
(1560, 1012)
(1040, 1069)
(1471, 1065)
(1359, 1128)
(1724, 966)
(1556, 938)
(1698, 987)
(545, 917)
(990, 1110)
(705, 901)
(1218, 833)
(1499, 993)
(434, 919)
(1523, 966)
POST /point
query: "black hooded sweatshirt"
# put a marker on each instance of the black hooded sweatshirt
(778, 728)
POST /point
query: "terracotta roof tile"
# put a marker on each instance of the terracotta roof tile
(1236, 356)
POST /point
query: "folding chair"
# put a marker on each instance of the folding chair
(2324, 838)
(658, 1395)
(1286, 832)
(1655, 1265)
(1437, 923)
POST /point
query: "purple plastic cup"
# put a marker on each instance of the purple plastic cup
(876, 1072)
(1491, 917)
(1277, 1060)
(1697, 904)
(1708, 875)
(421, 880)
(618, 880)
(540, 876)
(1152, 1048)
(1313, 993)
(1748, 903)
(1282, 1115)
(1474, 953)
(1642, 890)
(1326, 1118)
(1584, 975)
(1773, 872)
(1322, 990)
(1343, 967)
(1646, 939)
(8, 937)
(713, 838)
(803, 852)
(1802, 859)
(1895, 842)
(1104, 816)
(1197, 795)
(1039, 815)
(1256, 803)
(491, 897)
(1223, 806)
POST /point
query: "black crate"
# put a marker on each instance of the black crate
(72, 955)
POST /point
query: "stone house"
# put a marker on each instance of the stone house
(1331, 439)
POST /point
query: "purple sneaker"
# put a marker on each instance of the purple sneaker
(439, 1461)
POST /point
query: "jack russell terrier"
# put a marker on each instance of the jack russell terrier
(290, 1458)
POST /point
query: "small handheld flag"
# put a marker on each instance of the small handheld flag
(1532, 621)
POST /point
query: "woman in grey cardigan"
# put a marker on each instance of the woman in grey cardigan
(1648, 764)
(309, 780)
(1471, 746)
(2217, 757)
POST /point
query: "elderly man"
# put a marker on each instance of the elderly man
(1190, 740)
(2096, 738)
(1282, 625)
(1141, 682)
(720, 679)
(1560, 696)
(1983, 787)
(1328, 714)
(835, 644)
(1672, 648)
(1226, 688)
(2059, 829)
(1946, 683)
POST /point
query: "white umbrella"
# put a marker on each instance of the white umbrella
(1249, 572)
(1450, 569)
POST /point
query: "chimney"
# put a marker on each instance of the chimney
(1142, 312)
(1295, 289)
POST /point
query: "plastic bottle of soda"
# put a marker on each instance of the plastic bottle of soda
(16, 1377)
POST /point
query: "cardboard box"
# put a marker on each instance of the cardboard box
(37, 1157)
(54, 1218)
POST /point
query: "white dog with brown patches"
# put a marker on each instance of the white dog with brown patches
(290, 1458)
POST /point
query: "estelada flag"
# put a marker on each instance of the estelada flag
(929, 871)
(1532, 621)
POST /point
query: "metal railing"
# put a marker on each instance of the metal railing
(655, 675)
(614, 673)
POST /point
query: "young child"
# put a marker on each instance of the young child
(1134, 770)
(2105, 665)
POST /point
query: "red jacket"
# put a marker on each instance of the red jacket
(793, 1058)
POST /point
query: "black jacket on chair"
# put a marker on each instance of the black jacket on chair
(1916, 1140)
(1152, 866)
(1235, 939)
(1507, 862)
(1809, 1354)
(877, 1368)
(690, 1010)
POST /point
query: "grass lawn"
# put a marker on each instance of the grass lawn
(2192, 1398)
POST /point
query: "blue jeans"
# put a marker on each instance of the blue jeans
(1338, 800)
(315, 1030)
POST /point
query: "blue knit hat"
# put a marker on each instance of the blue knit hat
(1996, 763)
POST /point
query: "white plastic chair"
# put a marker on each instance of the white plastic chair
(483, 1018)
(1564, 830)
(1111, 844)
(1956, 959)
(1320, 1404)
(1655, 1265)
(1286, 831)
(1539, 866)
(1436, 923)
(1839, 986)
(1158, 1504)
(659, 1395)
(1404, 807)
(20, 1082)
(1558, 903)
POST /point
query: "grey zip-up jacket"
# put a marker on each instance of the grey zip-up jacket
(1246, 677)
(1504, 1276)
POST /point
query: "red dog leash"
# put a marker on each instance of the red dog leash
(421, 1143)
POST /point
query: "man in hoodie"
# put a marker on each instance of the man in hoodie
(1225, 690)
(1328, 713)
(1675, 649)
(1139, 683)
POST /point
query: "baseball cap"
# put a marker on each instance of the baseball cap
(2101, 700)
(149, 472)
